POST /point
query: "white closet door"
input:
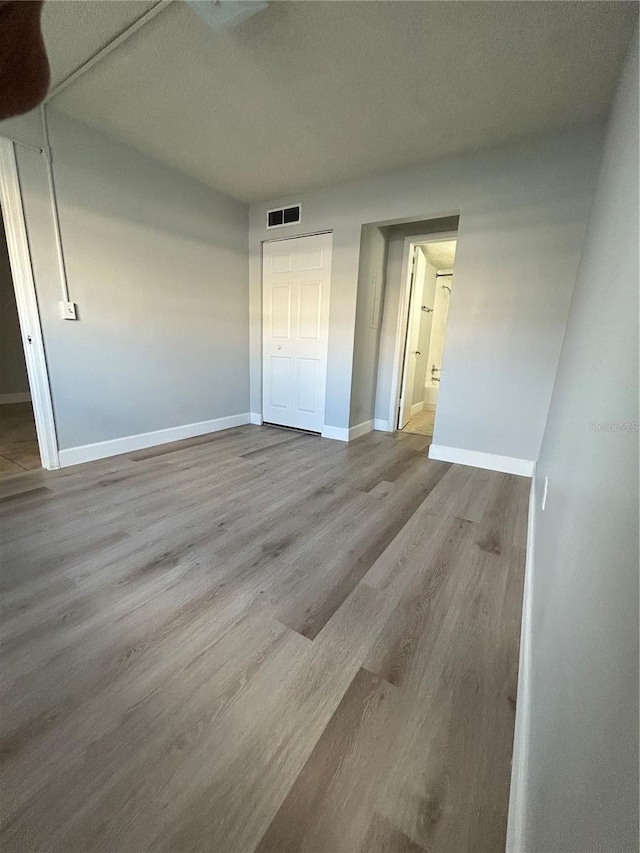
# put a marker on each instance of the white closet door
(296, 280)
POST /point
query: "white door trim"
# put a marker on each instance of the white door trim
(519, 790)
(27, 303)
(403, 313)
(294, 236)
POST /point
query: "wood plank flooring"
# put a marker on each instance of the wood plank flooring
(18, 440)
(259, 641)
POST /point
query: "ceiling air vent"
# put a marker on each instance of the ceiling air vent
(284, 216)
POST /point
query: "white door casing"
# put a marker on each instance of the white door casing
(27, 305)
(296, 282)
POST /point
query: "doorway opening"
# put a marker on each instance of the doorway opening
(429, 265)
(25, 303)
(19, 450)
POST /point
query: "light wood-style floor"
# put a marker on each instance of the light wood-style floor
(421, 423)
(260, 641)
(18, 440)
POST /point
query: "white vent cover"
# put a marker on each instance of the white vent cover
(283, 216)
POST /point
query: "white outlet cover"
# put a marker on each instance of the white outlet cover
(68, 311)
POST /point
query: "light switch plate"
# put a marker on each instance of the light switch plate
(68, 311)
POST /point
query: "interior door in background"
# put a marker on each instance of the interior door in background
(426, 315)
(438, 331)
(296, 281)
(419, 265)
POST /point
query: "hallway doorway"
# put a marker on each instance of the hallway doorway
(431, 279)
(19, 449)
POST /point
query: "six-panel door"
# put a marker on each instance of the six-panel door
(296, 278)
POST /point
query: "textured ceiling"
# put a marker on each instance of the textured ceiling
(307, 94)
(440, 255)
(74, 31)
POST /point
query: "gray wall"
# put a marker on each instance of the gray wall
(583, 779)
(371, 283)
(13, 370)
(137, 235)
(157, 264)
(523, 213)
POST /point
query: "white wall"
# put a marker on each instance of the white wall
(370, 300)
(523, 211)
(158, 265)
(582, 781)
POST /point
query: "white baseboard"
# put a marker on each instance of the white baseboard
(360, 429)
(130, 443)
(381, 425)
(255, 418)
(18, 397)
(518, 794)
(337, 433)
(477, 459)
(417, 407)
